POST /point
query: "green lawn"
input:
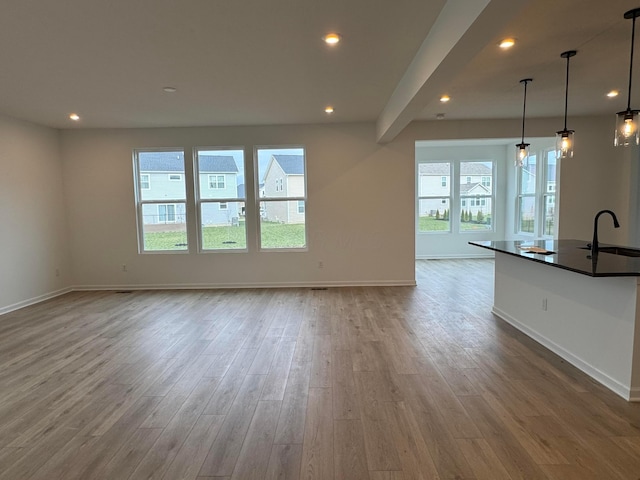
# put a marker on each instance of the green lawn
(430, 224)
(274, 235)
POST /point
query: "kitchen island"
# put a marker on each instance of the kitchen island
(585, 309)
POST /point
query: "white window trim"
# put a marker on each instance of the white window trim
(455, 198)
(200, 202)
(261, 200)
(140, 203)
(540, 196)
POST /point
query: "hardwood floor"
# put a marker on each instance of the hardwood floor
(381, 383)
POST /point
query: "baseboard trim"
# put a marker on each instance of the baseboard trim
(32, 301)
(631, 395)
(210, 286)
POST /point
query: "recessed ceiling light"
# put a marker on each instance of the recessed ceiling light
(439, 116)
(332, 38)
(445, 98)
(75, 117)
(613, 93)
(507, 43)
(328, 109)
(170, 89)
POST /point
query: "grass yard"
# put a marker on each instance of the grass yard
(430, 224)
(274, 235)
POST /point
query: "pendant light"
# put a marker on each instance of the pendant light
(564, 137)
(522, 149)
(627, 121)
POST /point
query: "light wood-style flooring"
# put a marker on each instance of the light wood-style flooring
(371, 383)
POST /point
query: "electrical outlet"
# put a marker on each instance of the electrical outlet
(544, 304)
(320, 264)
(124, 267)
(57, 272)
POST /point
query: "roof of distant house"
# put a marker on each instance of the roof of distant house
(466, 188)
(174, 162)
(291, 164)
(466, 168)
(217, 163)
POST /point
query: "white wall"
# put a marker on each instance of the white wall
(34, 234)
(360, 210)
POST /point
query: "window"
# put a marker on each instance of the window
(162, 218)
(467, 206)
(217, 182)
(536, 184)
(281, 195)
(166, 213)
(434, 197)
(527, 180)
(480, 196)
(220, 198)
(145, 181)
(174, 177)
(549, 198)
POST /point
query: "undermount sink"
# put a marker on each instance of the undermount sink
(624, 251)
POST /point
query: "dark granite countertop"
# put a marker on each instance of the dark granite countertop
(568, 255)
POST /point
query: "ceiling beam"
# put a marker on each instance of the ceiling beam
(463, 28)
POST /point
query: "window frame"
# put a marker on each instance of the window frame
(540, 196)
(140, 202)
(200, 200)
(477, 200)
(456, 200)
(279, 187)
(444, 199)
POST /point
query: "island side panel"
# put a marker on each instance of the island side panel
(588, 321)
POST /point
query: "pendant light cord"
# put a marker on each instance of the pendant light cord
(633, 35)
(566, 95)
(524, 106)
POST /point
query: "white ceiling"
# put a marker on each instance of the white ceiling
(262, 62)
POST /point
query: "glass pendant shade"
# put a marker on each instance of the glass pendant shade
(522, 149)
(627, 121)
(627, 129)
(522, 154)
(564, 137)
(564, 144)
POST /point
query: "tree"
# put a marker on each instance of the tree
(446, 214)
(438, 214)
(462, 217)
(480, 217)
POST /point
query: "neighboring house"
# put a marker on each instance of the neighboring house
(219, 180)
(476, 183)
(162, 177)
(284, 177)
